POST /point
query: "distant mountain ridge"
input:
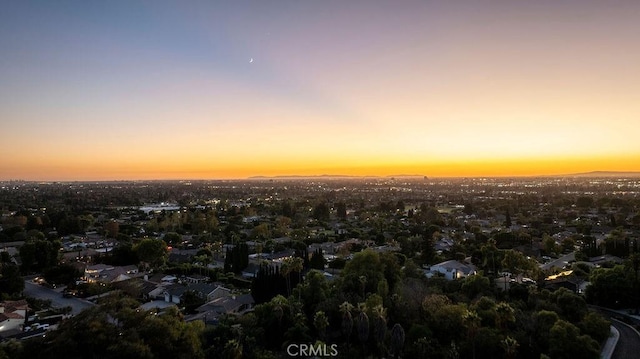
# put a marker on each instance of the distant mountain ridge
(325, 176)
(595, 174)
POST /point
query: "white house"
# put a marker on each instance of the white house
(451, 270)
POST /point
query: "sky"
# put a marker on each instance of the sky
(115, 90)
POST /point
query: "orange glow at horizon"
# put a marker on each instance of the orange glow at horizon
(186, 170)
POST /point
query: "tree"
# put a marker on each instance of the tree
(510, 347)
(267, 284)
(610, 287)
(191, 300)
(172, 239)
(260, 232)
(152, 251)
(565, 342)
(237, 258)
(118, 330)
(317, 260)
(290, 265)
(596, 326)
(549, 244)
(347, 319)
(568, 244)
(313, 292)
(39, 254)
(363, 327)
(11, 283)
(62, 274)
(573, 306)
(379, 326)
(472, 322)
(397, 340)
(362, 273)
(476, 285)
(505, 314)
(516, 262)
(321, 212)
(111, 228)
(341, 210)
(320, 322)
(122, 255)
(584, 201)
(449, 319)
(543, 321)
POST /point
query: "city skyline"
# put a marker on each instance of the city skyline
(213, 90)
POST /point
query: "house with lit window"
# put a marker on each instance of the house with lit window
(12, 314)
(451, 270)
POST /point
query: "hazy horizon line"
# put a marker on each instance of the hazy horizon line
(596, 173)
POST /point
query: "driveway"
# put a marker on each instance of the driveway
(37, 291)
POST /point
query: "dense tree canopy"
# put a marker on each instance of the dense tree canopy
(38, 254)
(119, 329)
(152, 251)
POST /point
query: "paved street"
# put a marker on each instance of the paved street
(37, 291)
(560, 262)
(629, 343)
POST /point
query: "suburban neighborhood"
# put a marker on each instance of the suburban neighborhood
(397, 253)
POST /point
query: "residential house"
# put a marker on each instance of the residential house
(174, 293)
(451, 270)
(326, 247)
(234, 304)
(228, 305)
(92, 273)
(443, 244)
(108, 274)
(571, 282)
(12, 252)
(251, 271)
(155, 293)
(131, 269)
(12, 314)
(600, 260)
(182, 255)
(196, 278)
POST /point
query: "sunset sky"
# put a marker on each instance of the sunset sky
(106, 90)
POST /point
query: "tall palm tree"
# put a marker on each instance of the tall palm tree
(363, 328)
(397, 340)
(505, 314)
(347, 319)
(233, 349)
(321, 322)
(471, 321)
(279, 303)
(380, 325)
(289, 265)
(363, 282)
(510, 347)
